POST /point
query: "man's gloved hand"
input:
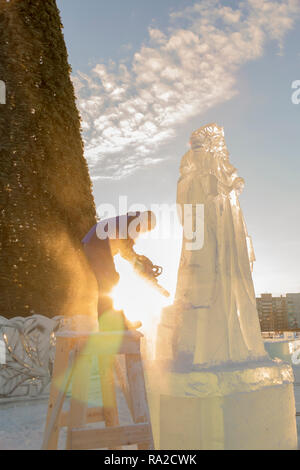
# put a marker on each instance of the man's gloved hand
(144, 265)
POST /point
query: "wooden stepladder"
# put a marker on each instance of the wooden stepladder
(72, 369)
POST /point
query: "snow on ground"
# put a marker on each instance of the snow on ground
(22, 423)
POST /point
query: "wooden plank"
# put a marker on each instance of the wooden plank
(108, 390)
(135, 335)
(54, 422)
(80, 390)
(61, 364)
(137, 389)
(109, 344)
(111, 437)
(93, 415)
(122, 380)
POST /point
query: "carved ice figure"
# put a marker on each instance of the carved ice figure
(214, 317)
(212, 385)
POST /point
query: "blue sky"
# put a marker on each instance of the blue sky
(227, 62)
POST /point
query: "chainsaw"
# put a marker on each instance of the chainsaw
(144, 267)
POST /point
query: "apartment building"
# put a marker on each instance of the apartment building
(293, 310)
(273, 313)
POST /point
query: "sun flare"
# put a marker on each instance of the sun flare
(139, 300)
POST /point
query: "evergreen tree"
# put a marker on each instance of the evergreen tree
(46, 203)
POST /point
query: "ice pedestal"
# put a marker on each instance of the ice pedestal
(234, 406)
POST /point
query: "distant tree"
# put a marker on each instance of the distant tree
(46, 203)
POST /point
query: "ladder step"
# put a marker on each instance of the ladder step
(104, 438)
(111, 343)
(94, 415)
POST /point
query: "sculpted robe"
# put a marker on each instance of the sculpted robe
(214, 317)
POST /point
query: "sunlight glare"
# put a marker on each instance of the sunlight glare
(139, 300)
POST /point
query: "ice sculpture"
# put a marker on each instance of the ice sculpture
(212, 385)
(214, 317)
(29, 355)
(27, 348)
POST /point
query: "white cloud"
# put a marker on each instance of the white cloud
(129, 113)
